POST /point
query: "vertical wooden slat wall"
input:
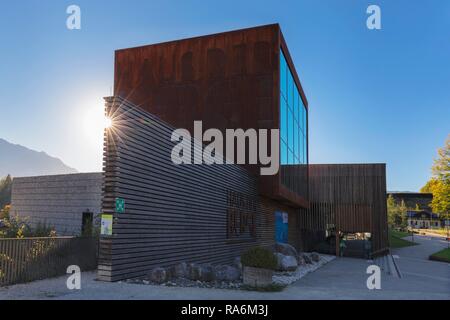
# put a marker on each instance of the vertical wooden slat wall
(173, 213)
(350, 196)
(29, 259)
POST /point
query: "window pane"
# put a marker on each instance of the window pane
(283, 74)
(300, 109)
(291, 130)
(283, 120)
(290, 157)
(283, 153)
(295, 149)
(289, 89)
(295, 105)
(305, 128)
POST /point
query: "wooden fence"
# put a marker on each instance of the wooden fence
(29, 259)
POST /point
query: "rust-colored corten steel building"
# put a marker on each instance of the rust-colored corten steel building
(231, 80)
(210, 213)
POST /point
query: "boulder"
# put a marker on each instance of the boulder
(180, 270)
(237, 263)
(300, 260)
(194, 271)
(227, 273)
(201, 272)
(158, 275)
(207, 273)
(289, 263)
(285, 249)
(286, 263)
(279, 257)
(315, 257)
(306, 257)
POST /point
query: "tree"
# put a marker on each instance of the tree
(439, 184)
(5, 191)
(397, 214)
(441, 166)
(428, 187)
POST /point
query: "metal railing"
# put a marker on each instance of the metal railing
(29, 259)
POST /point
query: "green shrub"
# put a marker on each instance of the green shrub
(16, 227)
(42, 229)
(19, 227)
(259, 257)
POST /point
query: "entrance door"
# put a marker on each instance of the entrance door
(87, 223)
(281, 227)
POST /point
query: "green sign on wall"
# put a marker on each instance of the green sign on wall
(120, 205)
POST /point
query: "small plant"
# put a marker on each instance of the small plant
(259, 257)
(42, 229)
(15, 227)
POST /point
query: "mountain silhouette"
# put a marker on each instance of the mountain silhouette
(20, 161)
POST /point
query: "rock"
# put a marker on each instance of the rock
(227, 273)
(194, 271)
(306, 257)
(158, 275)
(315, 257)
(180, 270)
(285, 249)
(203, 272)
(279, 257)
(300, 260)
(237, 263)
(207, 273)
(289, 263)
(286, 263)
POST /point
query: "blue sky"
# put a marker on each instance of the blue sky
(374, 96)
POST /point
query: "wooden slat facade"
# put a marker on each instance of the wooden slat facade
(173, 213)
(350, 196)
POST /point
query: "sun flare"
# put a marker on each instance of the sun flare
(95, 122)
(107, 123)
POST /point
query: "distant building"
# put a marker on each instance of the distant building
(423, 200)
(68, 202)
(423, 220)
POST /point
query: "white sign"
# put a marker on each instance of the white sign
(106, 225)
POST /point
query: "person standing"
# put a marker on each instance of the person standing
(342, 245)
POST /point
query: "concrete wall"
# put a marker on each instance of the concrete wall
(58, 200)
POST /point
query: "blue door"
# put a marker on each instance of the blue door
(281, 227)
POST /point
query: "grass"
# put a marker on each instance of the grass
(443, 255)
(399, 234)
(396, 241)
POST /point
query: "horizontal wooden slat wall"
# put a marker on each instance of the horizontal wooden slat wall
(351, 196)
(173, 213)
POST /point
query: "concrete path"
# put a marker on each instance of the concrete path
(343, 278)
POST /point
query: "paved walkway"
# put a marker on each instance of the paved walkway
(343, 278)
